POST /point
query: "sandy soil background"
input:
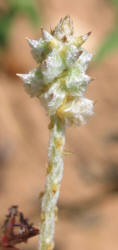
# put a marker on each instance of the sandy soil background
(88, 217)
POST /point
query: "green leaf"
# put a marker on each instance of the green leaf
(109, 45)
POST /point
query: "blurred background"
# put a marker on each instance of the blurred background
(88, 204)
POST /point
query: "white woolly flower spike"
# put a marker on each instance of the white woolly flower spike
(61, 73)
(60, 82)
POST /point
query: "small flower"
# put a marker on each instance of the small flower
(60, 80)
(76, 112)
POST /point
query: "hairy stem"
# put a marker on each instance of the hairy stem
(54, 177)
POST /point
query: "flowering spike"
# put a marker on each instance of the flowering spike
(60, 83)
(62, 67)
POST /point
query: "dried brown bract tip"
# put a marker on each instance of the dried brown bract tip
(89, 33)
